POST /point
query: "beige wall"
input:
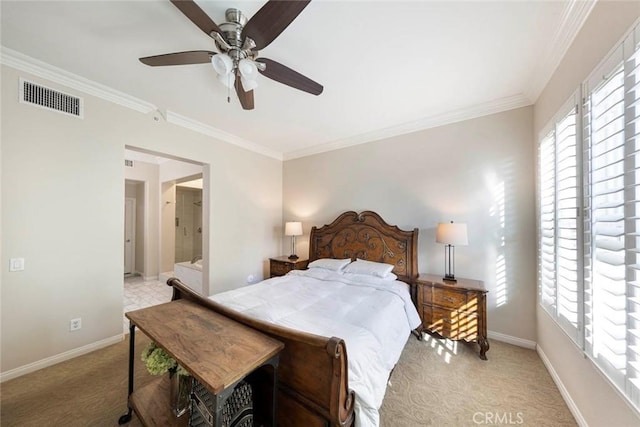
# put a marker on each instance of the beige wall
(479, 171)
(173, 170)
(73, 247)
(594, 397)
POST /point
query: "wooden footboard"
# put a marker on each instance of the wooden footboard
(313, 388)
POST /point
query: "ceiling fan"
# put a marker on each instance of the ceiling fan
(238, 41)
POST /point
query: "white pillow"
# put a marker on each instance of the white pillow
(377, 269)
(390, 276)
(330, 263)
(371, 279)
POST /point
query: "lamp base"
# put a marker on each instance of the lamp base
(293, 257)
(449, 278)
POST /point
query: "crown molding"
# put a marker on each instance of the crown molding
(22, 62)
(205, 129)
(41, 69)
(574, 16)
(484, 109)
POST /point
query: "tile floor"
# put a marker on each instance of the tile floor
(139, 293)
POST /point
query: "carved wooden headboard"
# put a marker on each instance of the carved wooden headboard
(367, 236)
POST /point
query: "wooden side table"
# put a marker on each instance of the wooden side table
(279, 266)
(217, 351)
(455, 310)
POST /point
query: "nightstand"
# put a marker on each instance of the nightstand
(455, 310)
(279, 266)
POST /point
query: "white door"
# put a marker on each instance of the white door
(129, 235)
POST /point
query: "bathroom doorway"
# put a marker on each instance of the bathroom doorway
(162, 185)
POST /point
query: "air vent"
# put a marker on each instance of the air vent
(50, 99)
(128, 163)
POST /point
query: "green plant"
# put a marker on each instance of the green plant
(158, 362)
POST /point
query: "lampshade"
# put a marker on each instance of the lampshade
(228, 80)
(248, 69)
(451, 233)
(248, 84)
(222, 63)
(293, 229)
(248, 74)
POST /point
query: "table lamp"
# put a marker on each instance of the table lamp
(293, 229)
(451, 235)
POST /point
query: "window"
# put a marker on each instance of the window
(606, 260)
(589, 218)
(559, 197)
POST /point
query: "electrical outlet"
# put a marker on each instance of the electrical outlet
(75, 324)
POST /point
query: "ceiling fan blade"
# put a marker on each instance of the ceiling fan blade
(179, 58)
(271, 20)
(285, 75)
(246, 98)
(192, 11)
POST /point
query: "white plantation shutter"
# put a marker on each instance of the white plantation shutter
(632, 141)
(589, 268)
(547, 220)
(605, 316)
(612, 221)
(559, 263)
(567, 207)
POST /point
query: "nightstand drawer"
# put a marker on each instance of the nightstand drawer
(280, 268)
(449, 298)
(451, 324)
(436, 320)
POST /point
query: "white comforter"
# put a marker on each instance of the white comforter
(373, 317)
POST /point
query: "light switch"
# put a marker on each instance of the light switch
(16, 264)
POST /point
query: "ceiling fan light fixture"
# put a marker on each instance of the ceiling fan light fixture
(227, 80)
(248, 84)
(248, 69)
(222, 63)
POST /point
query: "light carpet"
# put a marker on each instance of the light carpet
(436, 383)
(440, 382)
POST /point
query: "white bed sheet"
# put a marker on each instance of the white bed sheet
(373, 317)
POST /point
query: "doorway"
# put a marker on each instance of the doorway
(129, 235)
(134, 214)
(157, 181)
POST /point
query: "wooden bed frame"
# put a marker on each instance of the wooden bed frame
(313, 388)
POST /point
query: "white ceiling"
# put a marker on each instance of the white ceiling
(387, 67)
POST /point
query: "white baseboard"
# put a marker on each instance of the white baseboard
(50, 361)
(520, 342)
(563, 390)
(147, 278)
